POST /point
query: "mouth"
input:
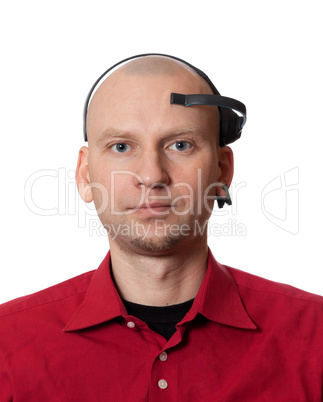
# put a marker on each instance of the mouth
(151, 209)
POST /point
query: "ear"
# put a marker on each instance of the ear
(226, 168)
(82, 176)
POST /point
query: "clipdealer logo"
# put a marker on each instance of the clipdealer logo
(279, 202)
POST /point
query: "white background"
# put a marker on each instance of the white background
(265, 54)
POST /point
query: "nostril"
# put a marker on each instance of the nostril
(159, 185)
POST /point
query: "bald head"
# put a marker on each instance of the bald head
(151, 65)
(156, 65)
(151, 72)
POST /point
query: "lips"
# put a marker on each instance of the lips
(154, 205)
(153, 208)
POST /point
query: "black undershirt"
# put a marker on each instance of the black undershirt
(160, 319)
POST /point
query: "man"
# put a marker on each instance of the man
(160, 319)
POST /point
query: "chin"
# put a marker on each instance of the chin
(156, 244)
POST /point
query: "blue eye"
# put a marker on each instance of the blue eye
(121, 147)
(180, 146)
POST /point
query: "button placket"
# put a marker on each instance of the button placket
(162, 383)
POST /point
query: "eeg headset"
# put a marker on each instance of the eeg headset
(231, 123)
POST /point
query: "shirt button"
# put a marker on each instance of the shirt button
(131, 324)
(163, 356)
(162, 384)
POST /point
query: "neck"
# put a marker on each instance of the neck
(158, 280)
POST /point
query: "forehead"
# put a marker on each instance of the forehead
(138, 94)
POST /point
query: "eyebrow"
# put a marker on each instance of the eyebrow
(115, 133)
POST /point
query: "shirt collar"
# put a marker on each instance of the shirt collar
(218, 299)
(101, 303)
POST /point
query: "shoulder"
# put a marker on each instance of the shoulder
(280, 308)
(247, 282)
(289, 316)
(64, 291)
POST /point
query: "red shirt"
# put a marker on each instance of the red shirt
(244, 339)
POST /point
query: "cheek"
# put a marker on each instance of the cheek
(99, 171)
(121, 191)
(201, 180)
(202, 173)
(100, 183)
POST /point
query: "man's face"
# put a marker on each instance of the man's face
(151, 164)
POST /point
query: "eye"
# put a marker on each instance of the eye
(121, 147)
(180, 146)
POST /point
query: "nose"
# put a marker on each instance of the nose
(153, 170)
